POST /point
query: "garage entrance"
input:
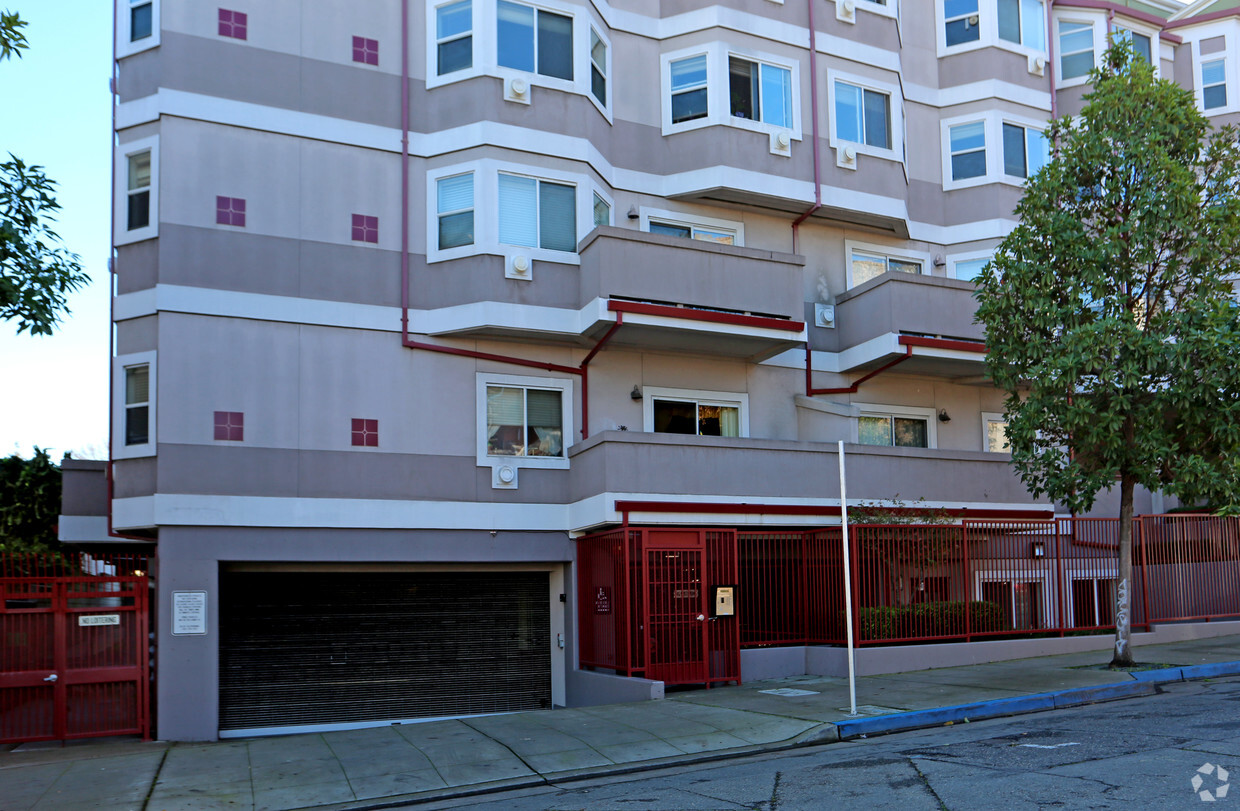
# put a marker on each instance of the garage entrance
(317, 648)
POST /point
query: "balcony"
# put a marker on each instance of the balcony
(797, 476)
(928, 317)
(693, 296)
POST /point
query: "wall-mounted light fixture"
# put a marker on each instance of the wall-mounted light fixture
(633, 215)
(636, 393)
(944, 416)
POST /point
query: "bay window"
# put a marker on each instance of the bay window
(1022, 22)
(455, 210)
(1076, 49)
(536, 213)
(967, 144)
(689, 90)
(862, 115)
(1214, 84)
(454, 42)
(961, 21)
(760, 92)
(534, 40)
(1024, 150)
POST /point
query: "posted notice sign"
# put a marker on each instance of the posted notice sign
(189, 613)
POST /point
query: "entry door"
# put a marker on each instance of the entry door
(676, 607)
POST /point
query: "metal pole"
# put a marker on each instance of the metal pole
(848, 617)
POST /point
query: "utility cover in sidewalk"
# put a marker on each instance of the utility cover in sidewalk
(789, 691)
(872, 709)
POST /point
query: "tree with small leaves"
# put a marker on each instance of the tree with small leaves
(36, 272)
(29, 503)
(1108, 310)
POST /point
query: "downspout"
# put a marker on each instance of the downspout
(813, 100)
(112, 298)
(908, 353)
(1050, 57)
(585, 376)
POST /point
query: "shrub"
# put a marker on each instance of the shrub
(930, 619)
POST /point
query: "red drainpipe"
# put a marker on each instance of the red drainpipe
(813, 100)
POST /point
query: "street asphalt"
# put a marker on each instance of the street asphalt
(400, 764)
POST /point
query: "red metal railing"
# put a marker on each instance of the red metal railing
(1192, 566)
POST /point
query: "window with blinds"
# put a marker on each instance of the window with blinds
(536, 213)
(137, 404)
(455, 207)
(524, 422)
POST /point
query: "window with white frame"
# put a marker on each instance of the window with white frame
(896, 426)
(602, 211)
(967, 148)
(598, 67)
(137, 404)
(1214, 84)
(454, 40)
(455, 210)
(1076, 49)
(524, 420)
(1024, 150)
(961, 22)
(141, 19)
(760, 92)
(137, 26)
(696, 413)
(689, 226)
(717, 84)
(862, 115)
(689, 98)
(536, 213)
(1093, 600)
(1142, 45)
(1022, 22)
(994, 432)
(1021, 602)
(867, 262)
(967, 268)
(138, 191)
(133, 405)
(534, 40)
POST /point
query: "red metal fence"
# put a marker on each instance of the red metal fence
(73, 646)
(983, 579)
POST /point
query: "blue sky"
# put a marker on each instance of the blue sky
(57, 113)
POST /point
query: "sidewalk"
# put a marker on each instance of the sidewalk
(374, 767)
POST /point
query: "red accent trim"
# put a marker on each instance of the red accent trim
(1103, 5)
(473, 353)
(1204, 18)
(585, 376)
(942, 343)
(692, 314)
(908, 353)
(735, 508)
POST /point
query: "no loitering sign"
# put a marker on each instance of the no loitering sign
(88, 620)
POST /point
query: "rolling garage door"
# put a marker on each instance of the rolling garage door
(301, 648)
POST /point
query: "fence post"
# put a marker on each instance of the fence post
(968, 583)
(803, 568)
(1060, 619)
(1145, 576)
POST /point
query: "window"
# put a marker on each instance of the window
(994, 432)
(689, 89)
(688, 231)
(602, 211)
(969, 269)
(1214, 84)
(1023, 22)
(1019, 601)
(138, 206)
(537, 213)
(365, 433)
(366, 51)
(865, 265)
(232, 24)
(137, 404)
(365, 228)
(454, 41)
(690, 226)
(455, 211)
(1093, 602)
(523, 421)
(862, 116)
(1141, 44)
(1024, 150)
(230, 211)
(760, 92)
(900, 432)
(1076, 49)
(896, 426)
(968, 150)
(695, 413)
(961, 21)
(598, 67)
(230, 426)
(534, 40)
(141, 19)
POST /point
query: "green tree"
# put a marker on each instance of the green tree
(29, 503)
(36, 272)
(1108, 310)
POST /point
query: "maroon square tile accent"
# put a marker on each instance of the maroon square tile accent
(366, 51)
(365, 229)
(233, 24)
(366, 433)
(230, 426)
(230, 211)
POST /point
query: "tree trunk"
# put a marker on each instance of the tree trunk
(1123, 582)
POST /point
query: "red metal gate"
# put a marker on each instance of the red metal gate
(73, 647)
(654, 588)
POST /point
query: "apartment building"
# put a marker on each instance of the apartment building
(410, 296)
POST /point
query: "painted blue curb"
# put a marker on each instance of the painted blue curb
(943, 715)
(1104, 692)
(1159, 676)
(1209, 671)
